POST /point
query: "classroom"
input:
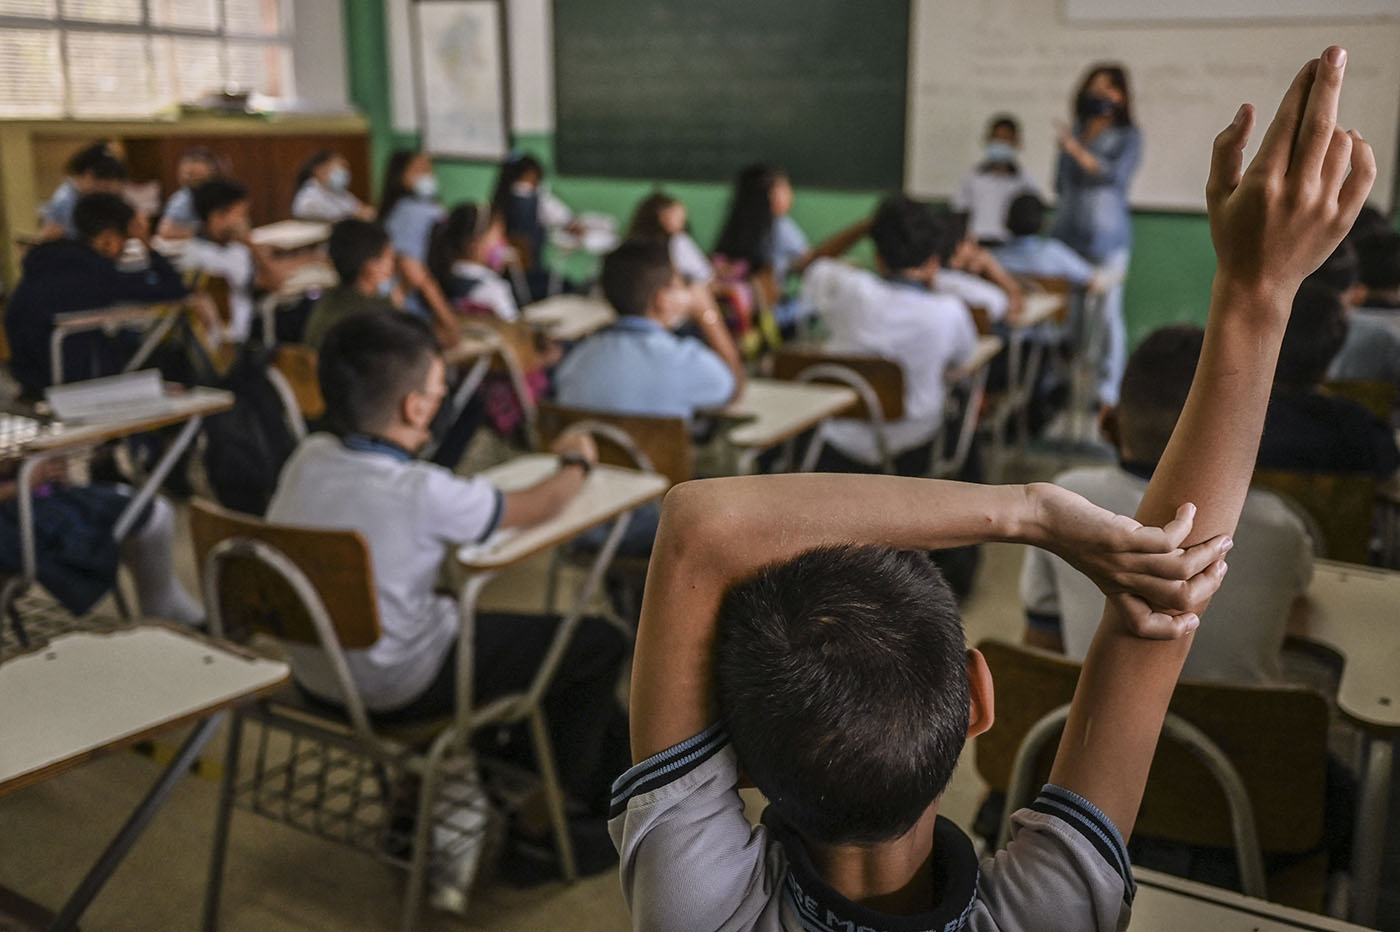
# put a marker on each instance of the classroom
(544, 464)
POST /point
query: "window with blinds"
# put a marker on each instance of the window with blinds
(132, 58)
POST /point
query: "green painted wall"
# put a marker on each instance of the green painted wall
(1169, 281)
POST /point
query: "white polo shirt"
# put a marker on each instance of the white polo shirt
(233, 262)
(487, 288)
(315, 201)
(926, 333)
(412, 515)
(974, 292)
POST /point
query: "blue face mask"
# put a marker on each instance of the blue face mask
(1092, 105)
(999, 153)
(426, 187)
(338, 179)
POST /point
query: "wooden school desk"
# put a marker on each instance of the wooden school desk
(31, 444)
(291, 235)
(775, 412)
(84, 694)
(1169, 904)
(1355, 611)
(568, 318)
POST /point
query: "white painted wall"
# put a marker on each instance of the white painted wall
(318, 54)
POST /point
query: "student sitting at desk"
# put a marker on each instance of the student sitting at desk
(1307, 430)
(81, 274)
(1027, 252)
(409, 209)
(383, 380)
(760, 238)
(1378, 260)
(661, 216)
(179, 220)
(364, 261)
(988, 189)
(898, 315)
(786, 642)
(522, 199)
(466, 254)
(224, 248)
(91, 170)
(1371, 351)
(971, 272)
(323, 191)
(1269, 569)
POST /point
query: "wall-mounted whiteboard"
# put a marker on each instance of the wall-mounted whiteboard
(971, 60)
(1240, 11)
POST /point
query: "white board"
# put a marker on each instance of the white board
(1240, 11)
(461, 78)
(971, 60)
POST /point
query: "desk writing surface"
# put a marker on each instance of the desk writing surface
(290, 235)
(472, 346)
(1167, 904)
(607, 492)
(983, 353)
(308, 276)
(1038, 307)
(176, 408)
(1355, 610)
(115, 315)
(569, 317)
(82, 693)
(776, 411)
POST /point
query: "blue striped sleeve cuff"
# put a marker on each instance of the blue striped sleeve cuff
(666, 767)
(1087, 819)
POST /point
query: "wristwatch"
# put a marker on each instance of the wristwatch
(576, 459)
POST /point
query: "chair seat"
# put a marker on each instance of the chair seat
(290, 703)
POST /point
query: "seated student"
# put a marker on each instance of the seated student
(1378, 261)
(1307, 430)
(364, 261)
(91, 170)
(383, 380)
(988, 189)
(409, 209)
(661, 216)
(783, 638)
(466, 254)
(1027, 252)
(223, 248)
(896, 315)
(1271, 565)
(179, 220)
(971, 272)
(760, 238)
(1371, 351)
(523, 200)
(323, 190)
(639, 365)
(81, 274)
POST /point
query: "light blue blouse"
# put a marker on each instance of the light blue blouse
(1092, 216)
(410, 224)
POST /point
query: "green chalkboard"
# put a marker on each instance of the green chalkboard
(695, 89)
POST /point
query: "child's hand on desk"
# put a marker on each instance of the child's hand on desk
(1162, 588)
(1274, 222)
(577, 442)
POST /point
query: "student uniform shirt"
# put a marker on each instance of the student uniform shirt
(986, 196)
(314, 201)
(689, 259)
(974, 292)
(1045, 258)
(411, 514)
(637, 366)
(690, 860)
(59, 207)
(1241, 636)
(1371, 351)
(179, 210)
(482, 285)
(410, 224)
(925, 332)
(234, 263)
(787, 244)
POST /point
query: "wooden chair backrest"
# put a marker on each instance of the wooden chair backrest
(664, 440)
(255, 599)
(218, 290)
(884, 376)
(1341, 505)
(519, 336)
(297, 363)
(1275, 736)
(1375, 395)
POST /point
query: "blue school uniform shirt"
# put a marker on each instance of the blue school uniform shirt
(789, 243)
(410, 224)
(179, 209)
(1044, 257)
(59, 208)
(1092, 214)
(637, 366)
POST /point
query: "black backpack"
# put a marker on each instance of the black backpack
(248, 444)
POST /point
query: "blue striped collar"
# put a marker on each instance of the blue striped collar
(364, 443)
(631, 323)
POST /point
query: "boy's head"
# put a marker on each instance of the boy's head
(1025, 216)
(381, 375)
(1378, 256)
(1156, 381)
(909, 237)
(1004, 128)
(222, 206)
(1369, 222)
(104, 173)
(103, 221)
(1341, 272)
(196, 166)
(639, 281)
(1317, 328)
(843, 678)
(361, 254)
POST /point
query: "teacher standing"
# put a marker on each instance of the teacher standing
(1098, 157)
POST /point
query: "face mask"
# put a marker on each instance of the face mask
(1092, 105)
(425, 187)
(338, 179)
(999, 153)
(522, 189)
(497, 256)
(385, 288)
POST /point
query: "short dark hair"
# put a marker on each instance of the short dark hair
(353, 244)
(1379, 258)
(367, 365)
(88, 158)
(842, 679)
(1369, 222)
(106, 168)
(1025, 216)
(1004, 121)
(1317, 328)
(217, 194)
(1156, 381)
(907, 233)
(1339, 271)
(634, 272)
(100, 211)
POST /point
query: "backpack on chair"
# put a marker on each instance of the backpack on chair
(248, 444)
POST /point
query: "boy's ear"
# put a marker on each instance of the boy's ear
(981, 698)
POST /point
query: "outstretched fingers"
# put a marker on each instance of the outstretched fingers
(1276, 151)
(1319, 120)
(1227, 156)
(1357, 186)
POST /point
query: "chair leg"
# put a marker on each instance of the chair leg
(222, 819)
(423, 833)
(553, 793)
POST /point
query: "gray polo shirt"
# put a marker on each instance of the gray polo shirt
(691, 861)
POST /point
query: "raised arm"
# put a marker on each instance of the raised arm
(1272, 225)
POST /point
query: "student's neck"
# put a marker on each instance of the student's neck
(399, 434)
(892, 877)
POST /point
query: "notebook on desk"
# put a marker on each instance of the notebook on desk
(124, 397)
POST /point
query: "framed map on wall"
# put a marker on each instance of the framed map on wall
(460, 58)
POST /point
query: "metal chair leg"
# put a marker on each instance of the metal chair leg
(553, 793)
(222, 822)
